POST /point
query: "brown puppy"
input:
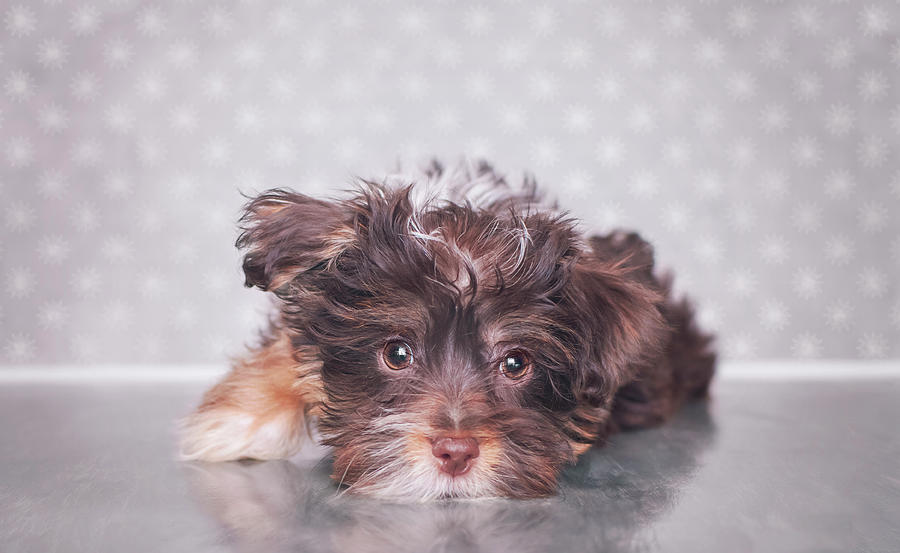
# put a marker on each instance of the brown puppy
(451, 335)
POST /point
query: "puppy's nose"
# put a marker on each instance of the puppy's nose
(455, 454)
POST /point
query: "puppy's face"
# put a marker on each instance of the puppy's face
(465, 351)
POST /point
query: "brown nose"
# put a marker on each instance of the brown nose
(455, 454)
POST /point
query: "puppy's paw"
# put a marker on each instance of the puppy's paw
(224, 434)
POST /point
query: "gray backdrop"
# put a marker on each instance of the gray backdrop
(755, 143)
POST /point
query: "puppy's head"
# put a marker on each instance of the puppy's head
(467, 350)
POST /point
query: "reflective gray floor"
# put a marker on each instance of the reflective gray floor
(764, 467)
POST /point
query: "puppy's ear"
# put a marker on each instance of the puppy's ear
(618, 314)
(286, 234)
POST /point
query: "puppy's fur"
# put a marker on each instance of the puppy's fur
(461, 267)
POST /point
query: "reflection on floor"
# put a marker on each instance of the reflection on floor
(763, 467)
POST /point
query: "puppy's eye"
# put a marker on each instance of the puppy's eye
(515, 364)
(397, 355)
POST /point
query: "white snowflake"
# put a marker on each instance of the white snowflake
(53, 119)
(513, 54)
(839, 185)
(709, 119)
(677, 20)
(841, 54)
(512, 119)
(118, 53)
(218, 21)
(545, 152)
(53, 249)
(19, 86)
(872, 151)
(151, 22)
(708, 184)
(740, 345)
(741, 86)
(85, 87)
(708, 249)
(774, 315)
(806, 345)
(774, 118)
(807, 86)
(52, 184)
(117, 184)
(117, 249)
(151, 86)
(19, 348)
(676, 217)
(284, 20)
(447, 53)
(183, 54)
(641, 119)
(742, 21)
(774, 250)
(609, 86)
(676, 86)
(677, 152)
(87, 282)
(20, 21)
(119, 118)
(381, 120)
(643, 185)
(872, 282)
(807, 217)
(19, 152)
(609, 215)
(610, 151)
(479, 86)
(806, 151)
(544, 20)
(248, 119)
(874, 20)
(873, 86)
(52, 315)
(87, 152)
(250, 54)
(544, 86)
(872, 345)
(184, 118)
(838, 315)
(578, 119)
(216, 87)
(283, 152)
(710, 52)
(742, 217)
(895, 119)
(643, 54)
(774, 53)
(840, 250)
(774, 185)
(18, 217)
(85, 217)
(806, 19)
(839, 120)
(117, 315)
(577, 54)
(414, 21)
(742, 153)
(873, 216)
(610, 21)
(742, 282)
(807, 283)
(19, 282)
(85, 20)
(52, 54)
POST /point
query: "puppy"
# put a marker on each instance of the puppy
(451, 335)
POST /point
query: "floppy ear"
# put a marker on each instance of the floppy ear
(286, 234)
(619, 320)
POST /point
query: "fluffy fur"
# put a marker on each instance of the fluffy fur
(462, 267)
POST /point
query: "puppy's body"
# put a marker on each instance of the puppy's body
(453, 336)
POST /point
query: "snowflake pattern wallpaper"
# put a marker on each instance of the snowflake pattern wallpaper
(756, 144)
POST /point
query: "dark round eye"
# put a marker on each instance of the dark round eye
(397, 355)
(515, 364)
